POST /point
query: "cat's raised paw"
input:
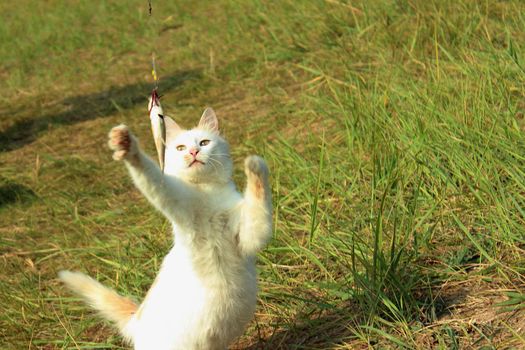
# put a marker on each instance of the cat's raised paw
(122, 142)
(255, 166)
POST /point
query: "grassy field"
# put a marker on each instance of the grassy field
(393, 130)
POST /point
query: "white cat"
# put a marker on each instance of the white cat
(205, 292)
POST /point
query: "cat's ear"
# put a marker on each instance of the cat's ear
(209, 120)
(172, 128)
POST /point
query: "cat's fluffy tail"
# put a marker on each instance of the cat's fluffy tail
(112, 306)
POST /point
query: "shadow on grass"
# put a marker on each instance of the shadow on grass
(351, 322)
(320, 331)
(11, 192)
(84, 107)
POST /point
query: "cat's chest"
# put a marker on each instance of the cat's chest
(212, 216)
(210, 240)
(208, 222)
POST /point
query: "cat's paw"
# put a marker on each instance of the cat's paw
(255, 166)
(256, 177)
(122, 142)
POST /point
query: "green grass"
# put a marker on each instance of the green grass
(393, 131)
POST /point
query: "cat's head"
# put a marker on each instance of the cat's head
(198, 155)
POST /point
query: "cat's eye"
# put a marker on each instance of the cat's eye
(181, 148)
(204, 142)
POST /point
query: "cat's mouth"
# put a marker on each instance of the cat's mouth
(195, 162)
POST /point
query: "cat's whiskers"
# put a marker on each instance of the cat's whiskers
(214, 161)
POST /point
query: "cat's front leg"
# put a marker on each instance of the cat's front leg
(165, 193)
(256, 217)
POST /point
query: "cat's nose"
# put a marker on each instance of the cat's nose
(193, 152)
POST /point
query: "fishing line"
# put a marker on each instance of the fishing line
(154, 71)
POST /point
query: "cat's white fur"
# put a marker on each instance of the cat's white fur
(205, 292)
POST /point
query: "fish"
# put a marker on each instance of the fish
(158, 126)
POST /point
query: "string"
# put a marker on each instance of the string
(154, 72)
